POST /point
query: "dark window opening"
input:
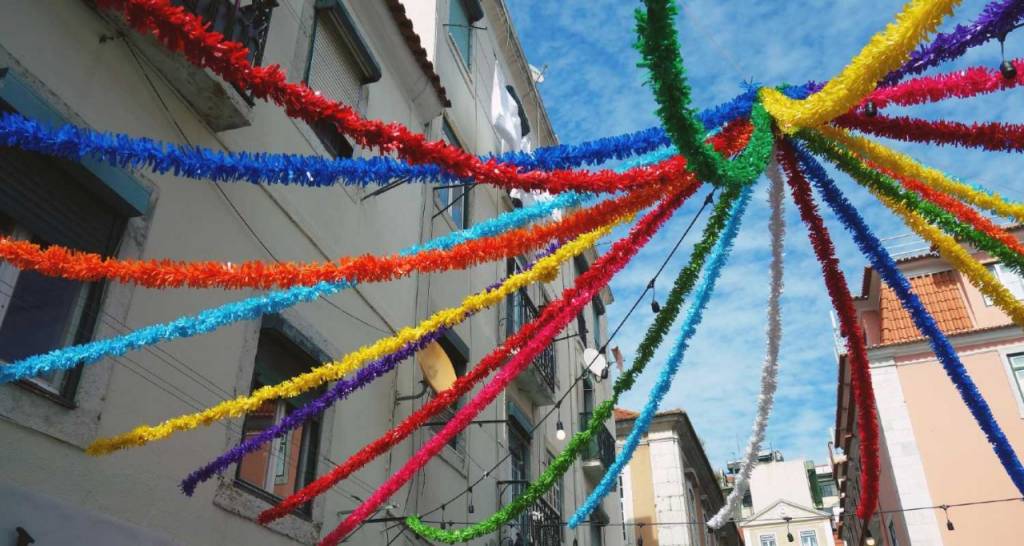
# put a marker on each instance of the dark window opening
(289, 463)
(49, 202)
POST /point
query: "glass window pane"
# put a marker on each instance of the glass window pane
(808, 538)
(458, 28)
(768, 540)
(280, 467)
(43, 314)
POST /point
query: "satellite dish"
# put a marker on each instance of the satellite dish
(595, 362)
(538, 73)
(437, 368)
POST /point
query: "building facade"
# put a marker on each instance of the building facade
(786, 505)
(669, 489)
(429, 65)
(932, 452)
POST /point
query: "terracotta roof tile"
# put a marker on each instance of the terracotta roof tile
(622, 414)
(412, 40)
(940, 293)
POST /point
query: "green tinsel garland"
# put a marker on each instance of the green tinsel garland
(682, 286)
(851, 165)
(658, 42)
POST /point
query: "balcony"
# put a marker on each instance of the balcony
(539, 525)
(538, 382)
(599, 453)
(219, 104)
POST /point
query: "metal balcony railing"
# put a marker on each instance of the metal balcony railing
(601, 447)
(245, 22)
(539, 525)
(521, 310)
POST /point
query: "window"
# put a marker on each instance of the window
(1010, 278)
(828, 488)
(340, 64)
(588, 399)
(461, 16)
(768, 540)
(519, 460)
(691, 514)
(808, 538)
(892, 534)
(556, 495)
(458, 354)
(598, 309)
(580, 266)
(287, 464)
(48, 202)
(453, 198)
(1017, 369)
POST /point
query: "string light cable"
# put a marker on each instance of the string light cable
(656, 332)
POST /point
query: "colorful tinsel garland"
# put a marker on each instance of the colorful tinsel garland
(886, 51)
(701, 296)
(556, 316)
(849, 327)
(655, 334)
(545, 269)
(770, 367)
(658, 43)
(879, 258)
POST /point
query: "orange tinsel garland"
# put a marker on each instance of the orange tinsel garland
(59, 261)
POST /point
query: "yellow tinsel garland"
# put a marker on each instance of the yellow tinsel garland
(905, 166)
(886, 51)
(543, 271)
(959, 258)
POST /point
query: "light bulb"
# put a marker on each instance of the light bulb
(560, 432)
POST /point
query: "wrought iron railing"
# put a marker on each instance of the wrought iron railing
(601, 447)
(539, 525)
(248, 24)
(521, 310)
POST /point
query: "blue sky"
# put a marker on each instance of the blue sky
(593, 89)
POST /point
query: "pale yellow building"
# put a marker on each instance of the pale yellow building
(668, 489)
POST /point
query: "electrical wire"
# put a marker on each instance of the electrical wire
(586, 368)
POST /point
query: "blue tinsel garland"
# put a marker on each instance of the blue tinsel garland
(894, 278)
(701, 296)
(76, 143)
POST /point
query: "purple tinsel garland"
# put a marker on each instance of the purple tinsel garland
(996, 19)
(341, 390)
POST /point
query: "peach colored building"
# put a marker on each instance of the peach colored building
(933, 453)
(669, 489)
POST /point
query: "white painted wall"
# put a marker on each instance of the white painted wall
(776, 480)
(101, 86)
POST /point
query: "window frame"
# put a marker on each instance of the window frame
(1008, 355)
(771, 538)
(309, 453)
(473, 12)
(1002, 273)
(893, 540)
(336, 143)
(809, 533)
(88, 307)
(441, 193)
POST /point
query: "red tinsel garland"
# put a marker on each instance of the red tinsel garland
(839, 292)
(960, 84)
(560, 314)
(527, 336)
(58, 261)
(180, 30)
(998, 137)
(959, 209)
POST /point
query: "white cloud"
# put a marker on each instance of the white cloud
(593, 89)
